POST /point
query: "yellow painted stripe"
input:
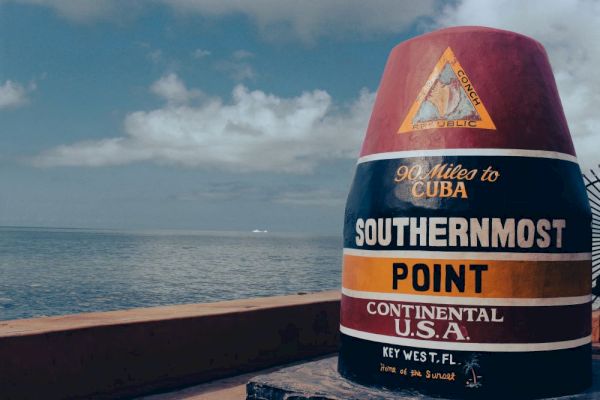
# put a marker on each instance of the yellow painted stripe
(503, 279)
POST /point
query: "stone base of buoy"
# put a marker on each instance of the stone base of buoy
(320, 380)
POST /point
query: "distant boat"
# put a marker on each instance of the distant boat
(259, 231)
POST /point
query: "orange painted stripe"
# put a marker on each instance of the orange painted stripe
(503, 279)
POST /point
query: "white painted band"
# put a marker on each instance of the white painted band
(474, 301)
(460, 255)
(496, 347)
(468, 152)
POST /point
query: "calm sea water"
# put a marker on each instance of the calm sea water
(64, 271)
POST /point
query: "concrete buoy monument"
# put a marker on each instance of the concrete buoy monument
(467, 242)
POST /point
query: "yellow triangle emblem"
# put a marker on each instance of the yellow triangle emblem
(447, 100)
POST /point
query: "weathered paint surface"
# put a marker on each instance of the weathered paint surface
(467, 243)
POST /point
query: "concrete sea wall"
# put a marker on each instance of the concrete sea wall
(132, 352)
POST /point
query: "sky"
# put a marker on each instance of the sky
(227, 115)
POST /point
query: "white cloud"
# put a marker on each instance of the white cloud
(78, 10)
(173, 90)
(155, 56)
(236, 70)
(14, 94)
(226, 191)
(320, 197)
(200, 53)
(255, 131)
(237, 66)
(570, 32)
(308, 20)
(287, 194)
(242, 54)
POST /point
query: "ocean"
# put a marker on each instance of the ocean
(46, 272)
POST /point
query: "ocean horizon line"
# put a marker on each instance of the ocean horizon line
(167, 230)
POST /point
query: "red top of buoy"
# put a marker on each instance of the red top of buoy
(468, 87)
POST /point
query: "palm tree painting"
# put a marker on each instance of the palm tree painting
(473, 380)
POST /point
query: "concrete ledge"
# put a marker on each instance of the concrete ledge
(320, 380)
(133, 352)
